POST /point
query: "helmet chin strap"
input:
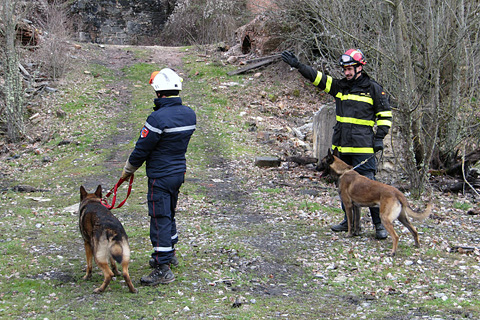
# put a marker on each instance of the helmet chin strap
(356, 73)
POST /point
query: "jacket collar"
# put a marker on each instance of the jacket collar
(362, 81)
(166, 102)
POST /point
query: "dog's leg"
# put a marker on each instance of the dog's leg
(404, 220)
(89, 256)
(107, 276)
(389, 227)
(126, 276)
(349, 213)
(113, 265)
(389, 212)
(356, 221)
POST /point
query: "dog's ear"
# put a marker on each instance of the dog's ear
(98, 192)
(329, 158)
(336, 153)
(83, 193)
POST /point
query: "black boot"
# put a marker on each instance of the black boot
(161, 274)
(342, 226)
(380, 232)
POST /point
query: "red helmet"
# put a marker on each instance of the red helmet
(352, 57)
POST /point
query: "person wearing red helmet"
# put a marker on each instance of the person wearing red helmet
(361, 105)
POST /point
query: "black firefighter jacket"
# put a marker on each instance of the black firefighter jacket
(360, 105)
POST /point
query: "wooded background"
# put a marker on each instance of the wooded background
(425, 55)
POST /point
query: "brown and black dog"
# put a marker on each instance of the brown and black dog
(358, 191)
(105, 239)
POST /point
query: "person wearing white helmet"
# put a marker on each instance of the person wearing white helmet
(363, 114)
(166, 80)
(162, 146)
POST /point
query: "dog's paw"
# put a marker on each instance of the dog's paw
(87, 276)
(98, 290)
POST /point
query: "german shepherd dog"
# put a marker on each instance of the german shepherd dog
(104, 237)
(358, 191)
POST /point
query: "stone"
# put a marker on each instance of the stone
(267, 162)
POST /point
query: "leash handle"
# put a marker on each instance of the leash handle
(114, 191)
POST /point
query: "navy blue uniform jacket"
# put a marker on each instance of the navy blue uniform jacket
(164, 139)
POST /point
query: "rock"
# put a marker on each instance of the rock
(473, 212)
(267, 162)
(71, 209)
(232, 59)
(60, 113)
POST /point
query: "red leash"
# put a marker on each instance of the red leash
(114, 191)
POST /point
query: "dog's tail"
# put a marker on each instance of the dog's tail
(419, 215)
(116, 251)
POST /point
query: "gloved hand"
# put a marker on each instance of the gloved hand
(290, 58)
(377, 145)
(128, 170)
(125, 176)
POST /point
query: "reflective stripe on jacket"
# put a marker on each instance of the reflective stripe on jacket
(360, 105)
(164, 138)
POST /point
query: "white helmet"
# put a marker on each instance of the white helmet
(165, 79)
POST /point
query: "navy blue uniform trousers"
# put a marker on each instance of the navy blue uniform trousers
(162, 200)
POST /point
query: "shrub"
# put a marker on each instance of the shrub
(203, 21)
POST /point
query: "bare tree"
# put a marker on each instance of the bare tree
(13, 112)
(423, 53)
(53, 52)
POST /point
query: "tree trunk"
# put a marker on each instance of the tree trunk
(407, 100)
(14, 109)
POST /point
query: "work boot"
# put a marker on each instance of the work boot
(342, 226)
(380, 232)
(173, 262)
(160, 274)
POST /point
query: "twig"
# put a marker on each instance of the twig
(463, 172)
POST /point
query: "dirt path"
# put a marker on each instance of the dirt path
(230, 204)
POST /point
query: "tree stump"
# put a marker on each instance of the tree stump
(323, 122)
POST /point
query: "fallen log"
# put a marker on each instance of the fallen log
(463, 249)
(253, 66)
(460, 186)
(470, 159)
(27, 188)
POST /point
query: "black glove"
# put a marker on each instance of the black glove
(377, 145)
(290, 58)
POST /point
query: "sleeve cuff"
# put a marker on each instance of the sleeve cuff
(129, 168)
